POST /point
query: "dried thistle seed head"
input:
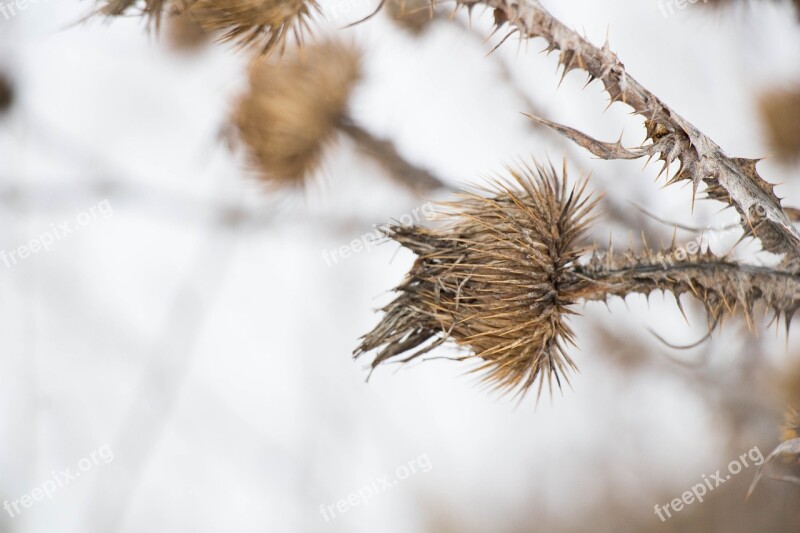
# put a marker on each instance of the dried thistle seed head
(495, 279)
(780, 114)
(292, 108)
(263, 24)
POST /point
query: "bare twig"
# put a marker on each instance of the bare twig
(385, 153)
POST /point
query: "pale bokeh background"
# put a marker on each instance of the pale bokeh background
(199, 333)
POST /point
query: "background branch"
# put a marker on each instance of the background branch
(396, 166)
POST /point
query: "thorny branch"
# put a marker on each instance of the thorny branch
(731, 180)
(722, 286)
(502, 273)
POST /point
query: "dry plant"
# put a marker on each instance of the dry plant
(437, 300)
(292, 107)
(260, 24)
(503, 272)
(499, 278)
(780, 114)
(295, 107)
(732, 180)
(153, 10)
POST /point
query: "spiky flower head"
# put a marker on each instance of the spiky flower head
(291, 109)
(264, 24)
(494, 279)
(153, 10)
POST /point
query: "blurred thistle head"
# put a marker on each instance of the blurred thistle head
(495, 279)
(184, 32)
(732, 3)
(780, 114)
(152, 9)
(292, 108)
(413, 15)
(264, 24)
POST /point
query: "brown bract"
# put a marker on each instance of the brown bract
(152, 9)
(292, 108)
(264, 24)
(492, 279)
